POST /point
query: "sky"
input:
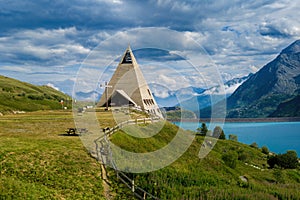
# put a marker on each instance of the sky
(51, 41)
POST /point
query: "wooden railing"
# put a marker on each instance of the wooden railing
(104, 155)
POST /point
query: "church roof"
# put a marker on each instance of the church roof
(129, 82)
(122, 93)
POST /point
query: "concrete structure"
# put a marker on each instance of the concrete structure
(128, 87)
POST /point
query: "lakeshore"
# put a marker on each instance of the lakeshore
(278, 136)
(268, 119)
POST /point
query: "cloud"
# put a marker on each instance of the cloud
(52, 86)
(40, 38)
(156, 54)
(42, 47)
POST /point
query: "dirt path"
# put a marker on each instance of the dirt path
(105, 184)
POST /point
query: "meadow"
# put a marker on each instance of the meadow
(39, 161)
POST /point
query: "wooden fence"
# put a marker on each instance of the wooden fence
(104, 155)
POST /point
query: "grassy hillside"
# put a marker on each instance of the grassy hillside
(20, 96)
(211, 178)
(37, 161)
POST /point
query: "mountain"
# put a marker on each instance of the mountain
(275, 83)
(190, 97)
(20, 96)
(167, 98)
(216, 94)
(289, 108)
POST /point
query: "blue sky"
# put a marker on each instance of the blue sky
(43, 41)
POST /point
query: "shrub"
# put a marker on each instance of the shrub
(242, 156)
(233, 137)
(272, 161)
(35, 97)
(265, 150)
(289, 160)
(230, 158)
(254, 145)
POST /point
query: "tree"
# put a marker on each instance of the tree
(289, 160)
(219, 133)
(272, 161)
(203, 130)
(233, 137)
(265, 150)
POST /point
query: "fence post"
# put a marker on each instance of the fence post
(132, 182)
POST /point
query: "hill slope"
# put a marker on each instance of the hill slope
(289, 108)
(211, 177)
(275, 83)
(20, 96)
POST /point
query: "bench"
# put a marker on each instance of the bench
(76, 130)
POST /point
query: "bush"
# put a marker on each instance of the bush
(230, 158)
(272, 161)
(254, 145)
(233, 137)
(242, 156)
(35, 97)
(289, 160)
(265, 150)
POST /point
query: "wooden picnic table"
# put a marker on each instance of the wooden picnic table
(76, 130)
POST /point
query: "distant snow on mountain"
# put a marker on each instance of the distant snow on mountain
(229, 86)
(168, 98)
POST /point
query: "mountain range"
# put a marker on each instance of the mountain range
(273, 91)
(193, 98)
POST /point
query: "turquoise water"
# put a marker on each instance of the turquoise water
(277, 136)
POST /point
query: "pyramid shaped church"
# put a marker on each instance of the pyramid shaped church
(128, 87)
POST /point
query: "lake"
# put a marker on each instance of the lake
(277, 136)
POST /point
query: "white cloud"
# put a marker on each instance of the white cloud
(52, 86)
(42, 47)
(14, 69)
(240, 36)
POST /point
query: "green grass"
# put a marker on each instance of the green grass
(20, 96)
(38, 162)
(210, 178)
